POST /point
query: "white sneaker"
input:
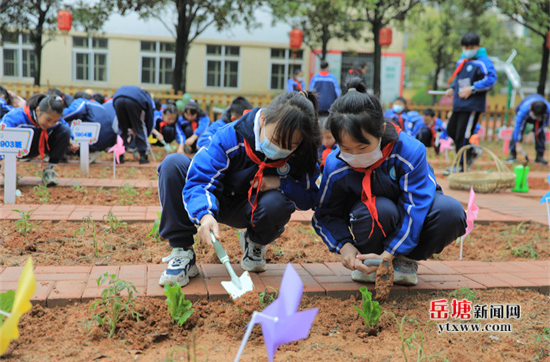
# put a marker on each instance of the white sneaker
(361, 277)
(181, 267)
(253, 259)
(405, 271)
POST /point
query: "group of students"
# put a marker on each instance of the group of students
(378, 197)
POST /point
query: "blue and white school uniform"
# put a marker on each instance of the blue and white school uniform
(415, 218)
(207, 136)
(217, 182)
(523, 117)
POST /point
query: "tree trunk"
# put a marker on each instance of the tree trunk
(182, 47)
(37, 57)
(434, 84)
(325, 38)
(376, 26)
(544, 67)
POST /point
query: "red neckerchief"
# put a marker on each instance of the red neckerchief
(194, 125)
(366, 196)
(325, 154)
(43, 143)
(400, 121)
(324, 73)
(298, 86)
(457, 70)
(161, 125)
(259, 175)
(432, 128)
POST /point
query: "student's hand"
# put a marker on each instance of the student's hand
(73, 146)
(268, 183)
(449, 92)
(465, 92)
(159, 137)
(348, 253)
(189, 142)
(208, 223)
(369, 269)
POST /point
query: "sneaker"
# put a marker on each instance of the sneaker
(405, 271)
(448, 170)
(540, 159)
(143, 159)
(512, 159)
(253, 259)
(181, 266)
(48, 177)
(361, 277)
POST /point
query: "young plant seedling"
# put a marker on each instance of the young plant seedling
(154, 233)
(42, 192)
(24, 225)
(6, 303)
(266, 298)
(132, 173)
(371, 309)
(180, 308)
(526, 251)
(128, 193)
(89, 222)
(463, 293)
(112, 307)
(113, 223)
(80, 188)
(188, 353)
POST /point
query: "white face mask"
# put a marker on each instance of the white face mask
(532, 115)
(469, 53)
(363, 160)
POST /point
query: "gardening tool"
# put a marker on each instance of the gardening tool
(522, 171)
(238, 285)
(167, 147)
(384, 277)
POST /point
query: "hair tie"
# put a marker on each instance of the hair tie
(304, 93)
(352, 90)
(59, 99)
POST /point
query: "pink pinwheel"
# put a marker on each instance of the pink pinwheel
(471, 212)
(286, 325)
(118, 149)
(445, 144)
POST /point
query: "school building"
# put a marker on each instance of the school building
(236, 61)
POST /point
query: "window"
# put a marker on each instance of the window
(157, 62)
(283, 63)
(90, 59)
(17, 56)
(222, 66)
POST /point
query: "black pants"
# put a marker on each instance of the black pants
(187, 130)
(169, 134)
(461, 126)
(270, 217)
(128, 113)
(58, 141)
(445, 222)
(540, 141)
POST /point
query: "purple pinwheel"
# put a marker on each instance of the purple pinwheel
(281, 322)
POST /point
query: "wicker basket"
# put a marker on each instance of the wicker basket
(481, 181)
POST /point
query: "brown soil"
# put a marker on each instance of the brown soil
(337, 334)
(384, 280)
(79, 195)
(71, 243)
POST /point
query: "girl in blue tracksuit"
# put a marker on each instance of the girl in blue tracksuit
(83, 108)
(235, 111)
(378, 196)
(398, 114)
(51, 133)
(428, 129)
(165, 125)
(254, 174)
(5, 105)
(193, 124)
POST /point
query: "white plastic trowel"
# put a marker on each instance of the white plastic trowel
(238, 286)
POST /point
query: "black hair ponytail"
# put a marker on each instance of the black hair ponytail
(46, 103)
(297, 112)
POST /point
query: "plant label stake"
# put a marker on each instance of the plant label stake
(86, 134)
(281, 322)
(237, 286)
(14, 142)
(546, 198)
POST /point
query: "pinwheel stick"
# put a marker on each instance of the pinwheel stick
(251, 325)
(6, 314)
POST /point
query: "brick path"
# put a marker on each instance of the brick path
(59, 285)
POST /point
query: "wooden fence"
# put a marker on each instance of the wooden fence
(491, 120)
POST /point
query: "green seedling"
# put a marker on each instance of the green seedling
(132, 173)
(154, 233)
(80, 188)
(128, 194)
(413, 340)
(6, 303)
(89, 222)
(180, 308)
(148, 192)
(463, 293)
(113, 223)
(43, 193)
(24, 225)
(266, 298)
(544, 337)
(188, 353)
(278, 251)
(371, 309)
(112, 307)
(526, 251)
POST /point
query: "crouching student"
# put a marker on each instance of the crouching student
(51, 133)
(165, 126)
(378, 196)
(398, 114)
(134, 109)
(253, 175)
(87, 110)
(194, 123)
(328, 143)
(232, 113)
(428, 129)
